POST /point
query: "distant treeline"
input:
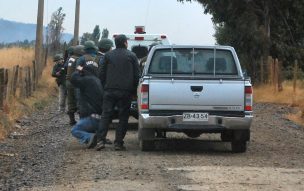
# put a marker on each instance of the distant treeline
(23, 44)
(258, 29)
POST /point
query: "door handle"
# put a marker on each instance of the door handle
(197, 88)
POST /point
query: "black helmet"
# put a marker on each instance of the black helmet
(105, 43)
(89, 45)
(57, 57)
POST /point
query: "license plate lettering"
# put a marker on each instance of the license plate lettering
(195, 116)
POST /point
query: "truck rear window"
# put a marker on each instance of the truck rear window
(193, 62)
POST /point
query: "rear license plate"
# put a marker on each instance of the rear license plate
(195, 116)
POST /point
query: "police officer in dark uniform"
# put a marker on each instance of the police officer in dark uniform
(119, 76)
(90, 55)
(74, 53)
(104, 46)
(59, 72)
(91, 93)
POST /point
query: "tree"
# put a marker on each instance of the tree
(96, 34)
(105, 33)
(257, 29)
(85, 37)
(55, 30)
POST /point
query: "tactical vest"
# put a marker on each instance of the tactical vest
(91, 60)
(71, 66)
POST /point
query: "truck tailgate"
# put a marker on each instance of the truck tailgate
(196, 95)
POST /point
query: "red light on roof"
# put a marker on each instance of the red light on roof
(139, 38)
(163, 36)
(139, 30)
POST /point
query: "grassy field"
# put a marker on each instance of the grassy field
(16, 107)
(288, 96)
(10, 57)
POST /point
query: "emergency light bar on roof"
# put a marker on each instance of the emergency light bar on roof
(139, 30)
(147, 37)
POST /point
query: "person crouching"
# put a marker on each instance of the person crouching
(90, 103)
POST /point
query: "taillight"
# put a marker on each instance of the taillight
(144, 105)
(248, 98)
(163, 36)
(139, 38)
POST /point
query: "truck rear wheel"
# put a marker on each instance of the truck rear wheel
(146, 145)
(227, 136)
(239, 146)
(146, 139)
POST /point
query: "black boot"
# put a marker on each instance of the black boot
(72, 119)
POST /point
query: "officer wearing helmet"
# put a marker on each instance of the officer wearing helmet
(104, 46)
(59, 72)
(90, 55)
(74, 53)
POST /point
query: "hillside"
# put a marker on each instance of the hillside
(11, 31)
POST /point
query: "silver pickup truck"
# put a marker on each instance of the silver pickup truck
(194, 90)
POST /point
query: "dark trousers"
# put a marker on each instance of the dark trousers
(121, 99)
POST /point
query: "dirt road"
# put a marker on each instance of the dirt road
(42, 155)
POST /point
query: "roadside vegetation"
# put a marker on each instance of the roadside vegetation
(288, 96)
(16, 56)
(15, 108)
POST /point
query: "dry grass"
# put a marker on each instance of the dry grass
(16, 108)
(266, 93)
(10, 57)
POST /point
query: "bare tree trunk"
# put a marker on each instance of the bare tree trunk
(39, 40)
(76, 26)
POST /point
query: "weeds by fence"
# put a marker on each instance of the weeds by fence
(16, 82)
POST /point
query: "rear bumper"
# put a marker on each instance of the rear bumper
(176, 123)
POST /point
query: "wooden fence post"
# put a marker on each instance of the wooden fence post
(34, 75)
(20, 93)
(262, 70)
(28, 82)
(270, 76)
(280, 76)
(276, 75)
(295, 76)
(2, 72)
(15, 80)
(6, 73)
(10, 83)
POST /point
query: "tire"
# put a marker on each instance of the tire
(239, 146)
(146, 139)
(227, 136)
(146, 145)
